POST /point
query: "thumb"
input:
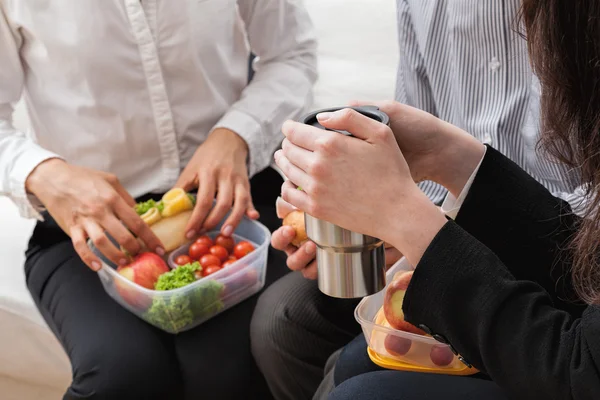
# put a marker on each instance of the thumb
(353, 122)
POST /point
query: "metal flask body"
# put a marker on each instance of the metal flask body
(350, 264)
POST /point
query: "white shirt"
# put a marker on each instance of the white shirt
(134, 87)
(464, 61)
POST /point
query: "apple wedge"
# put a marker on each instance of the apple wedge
(393, 302)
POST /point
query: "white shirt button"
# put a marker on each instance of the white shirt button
(494, 64)
(487, 138)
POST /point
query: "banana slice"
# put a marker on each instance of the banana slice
(151, 216)
(176, 201)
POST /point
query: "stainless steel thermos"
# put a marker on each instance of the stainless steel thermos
(350, 264)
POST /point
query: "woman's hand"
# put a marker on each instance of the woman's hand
(219, 168)
(434, 150)
(361, 183)
(88, 204)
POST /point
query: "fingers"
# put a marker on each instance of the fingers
(305, 136)
(299, 259)
(311, 271)
(95, 232)
(298, 156)
(283, 208)
(139, 228)
(387, 106)
(251, 211)
(119, 232)
(297, 198)
(242, 204)
(282, 238)
(204, 203)
(79, 238)
(188, 179)
(222, 206)
(121, 191)
(302, 257)
(354, 122)
(293, 173)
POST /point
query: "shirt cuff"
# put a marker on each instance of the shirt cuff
(451, 205)
(249, 129)
(29, 206)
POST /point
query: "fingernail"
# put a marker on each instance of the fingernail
(191, 234)
(160, 251)
(96, 266)
(123, 261)
(324, 116)
(228, 230)
(310, 249)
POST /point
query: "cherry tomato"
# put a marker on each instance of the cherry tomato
(242, 248)
(211, 269)
(198, 275)
(234, 258)
(209, 259)
(228, 263)
(197, 250)
(220, 252)
(205, 240)
(226, 242)
(183, 259)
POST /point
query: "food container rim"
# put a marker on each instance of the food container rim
(106, 269)
(365, 323)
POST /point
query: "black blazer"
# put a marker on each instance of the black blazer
(495, 285)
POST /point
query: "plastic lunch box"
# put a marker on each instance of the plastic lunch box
(182, 309)
(417, 359)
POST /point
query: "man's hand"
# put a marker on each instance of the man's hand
(88, 204)
(299, 259)
(218, 168)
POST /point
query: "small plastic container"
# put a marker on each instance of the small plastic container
(394, 349)
(182, 309)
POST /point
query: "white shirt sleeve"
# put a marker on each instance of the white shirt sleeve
(451, 205)
(281, 35)
(19, 155)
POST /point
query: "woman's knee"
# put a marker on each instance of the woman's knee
(353, 361)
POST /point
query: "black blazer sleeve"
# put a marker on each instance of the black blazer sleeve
(524, 225)
(501, 322)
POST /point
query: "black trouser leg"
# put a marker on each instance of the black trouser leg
(294, 330)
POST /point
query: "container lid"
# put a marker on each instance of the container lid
(389, 363)
(369, 111)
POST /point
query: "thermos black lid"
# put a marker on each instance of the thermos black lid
(369, 111)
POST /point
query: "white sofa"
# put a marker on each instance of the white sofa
(358, 56)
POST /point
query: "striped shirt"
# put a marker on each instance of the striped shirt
(464, 61)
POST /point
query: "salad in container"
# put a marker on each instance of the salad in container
(393, 343)
(196, 279)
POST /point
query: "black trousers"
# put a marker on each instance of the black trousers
(295, 329)
(115, 355)
(356, 377)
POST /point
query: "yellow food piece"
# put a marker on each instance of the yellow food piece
(151, 216)
(176, 201)
(171, 231)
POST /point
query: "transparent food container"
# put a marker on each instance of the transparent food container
(182, 309)
(395, 349)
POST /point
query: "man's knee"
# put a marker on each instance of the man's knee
(125, 376)
(279, 313)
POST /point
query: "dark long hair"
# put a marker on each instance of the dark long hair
(564, 46)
